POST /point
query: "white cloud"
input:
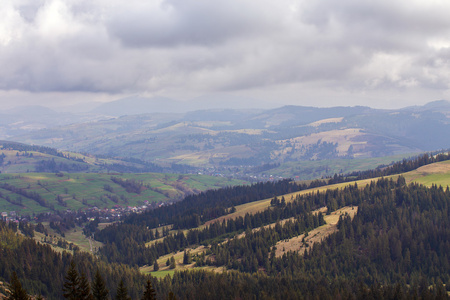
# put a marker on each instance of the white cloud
(343, 47)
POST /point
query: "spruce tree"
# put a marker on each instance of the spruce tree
(172, 263)
(122, 291)
(99, 290)
(84, 288)
(187, 258)
(16, 292)
(71, 285)
(171, 296)
(156, 266)
(149, 293)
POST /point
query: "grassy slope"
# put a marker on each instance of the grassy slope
(81, 190)
(438, 173)
(14, 163)
(328, 167)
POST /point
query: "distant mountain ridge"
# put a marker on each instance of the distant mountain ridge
(138, 105)
(145, 105)
(230, 137)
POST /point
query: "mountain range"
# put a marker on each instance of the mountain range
(250, 137)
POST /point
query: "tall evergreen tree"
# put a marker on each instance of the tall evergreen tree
(172, 263)
(149, 293)
(84, 288)
(171, 296)
(99, 290)
(71, 285)
(16, 292)
(187, 258)
(122, 291)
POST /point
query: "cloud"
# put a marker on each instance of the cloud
(190, 22)
(202, 46)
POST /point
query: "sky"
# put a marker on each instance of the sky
(383, 54)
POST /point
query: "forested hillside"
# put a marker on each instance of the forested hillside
(394, 244)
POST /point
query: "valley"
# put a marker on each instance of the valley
(244, 139)
(194, 200)
(303, 230)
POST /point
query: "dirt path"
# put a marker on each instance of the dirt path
(298, 244)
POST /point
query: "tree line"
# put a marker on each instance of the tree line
(395, 247)
(399, 167)
(195, 210)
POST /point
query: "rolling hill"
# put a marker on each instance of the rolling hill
(377, 237)
(248, 138)
(28, 193)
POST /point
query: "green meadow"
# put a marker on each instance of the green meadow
(82, 190)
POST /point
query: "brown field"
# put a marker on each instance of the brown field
(282, 222)
(297, 244)
(261, 205)
(437, 173)
(178, 261)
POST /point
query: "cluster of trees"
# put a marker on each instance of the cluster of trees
(27, 229)
(125, 243)
(256, 249)
(395, 247)
(77, 287)
(195, 210)
(135, 166)
(399, 233)
(41, 270)
(36, 148)
(16, 201)
(403, 166)
(23, 192)
(138, 166)
(130, 185)
(237, 285)
(51, 166)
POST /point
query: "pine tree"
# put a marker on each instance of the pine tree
(187, 258)
(72, 283)
(16, 292)
(99, 290)
(171, 296)
(84, 288)
(172, 263)
(149, 293)
(122, 291)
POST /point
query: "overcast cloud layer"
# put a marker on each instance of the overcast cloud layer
(348, 52)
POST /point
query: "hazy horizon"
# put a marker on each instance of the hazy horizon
(232, 102)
